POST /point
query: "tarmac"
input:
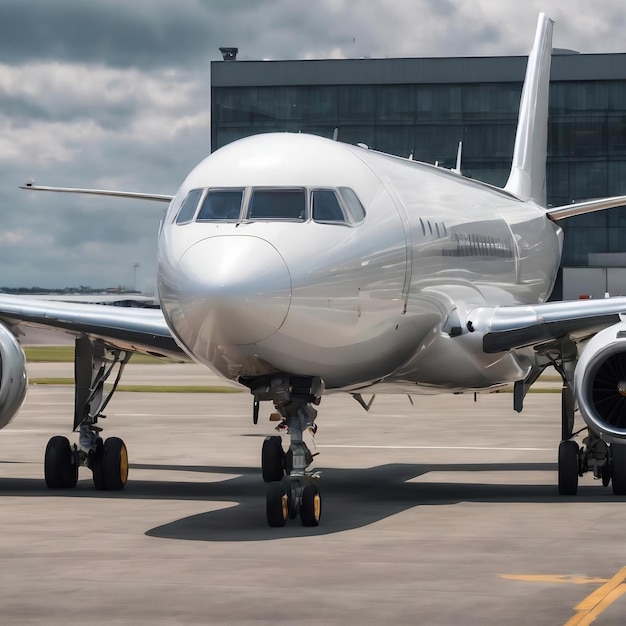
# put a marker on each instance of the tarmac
(441, 512)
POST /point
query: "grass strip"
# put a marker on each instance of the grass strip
(214, 388)
(146, 388)
(65, 354)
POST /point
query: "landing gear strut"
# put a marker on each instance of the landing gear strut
(293, 397)
(107, 459)
(593, 456)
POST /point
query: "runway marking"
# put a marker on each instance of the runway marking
(598, 601)
(371, 447)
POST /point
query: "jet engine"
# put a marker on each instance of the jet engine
(13, 378)
(600, 383)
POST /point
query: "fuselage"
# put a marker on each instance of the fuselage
(335, 261)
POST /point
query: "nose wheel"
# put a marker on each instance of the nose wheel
(294, 498)
(272, 459)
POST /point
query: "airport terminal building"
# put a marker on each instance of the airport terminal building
(424, 107)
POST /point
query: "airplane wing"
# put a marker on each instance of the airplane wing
(131, 329)
(513, 327)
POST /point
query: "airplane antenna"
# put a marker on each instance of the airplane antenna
(411, 156)
(336, 134)
(457, 169)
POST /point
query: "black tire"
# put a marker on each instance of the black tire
(60, 470)
(606, 473)
(277, 505)
(272, 459)
(311, 506)
(95, 462)
(110, 468)
(618, 469)
(568, 468)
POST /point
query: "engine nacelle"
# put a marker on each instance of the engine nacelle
(600, 383)
(13, 378)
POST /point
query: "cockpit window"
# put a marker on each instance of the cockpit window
(221, 204)
(277, 204)
(325, 206)
(353, 203)
(189, 206)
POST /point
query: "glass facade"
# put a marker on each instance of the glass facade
(586, 135)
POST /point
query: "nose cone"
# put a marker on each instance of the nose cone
(234, 289)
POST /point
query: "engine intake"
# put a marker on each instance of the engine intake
(600, 383)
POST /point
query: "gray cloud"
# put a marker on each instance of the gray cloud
(111, 93)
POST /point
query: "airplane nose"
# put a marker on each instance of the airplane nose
(236, 289)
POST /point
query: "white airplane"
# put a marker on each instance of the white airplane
(298, 266)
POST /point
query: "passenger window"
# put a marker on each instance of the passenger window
(326, 206)
(221, 204)
(188, 209)
(277, 204)
(353, 203)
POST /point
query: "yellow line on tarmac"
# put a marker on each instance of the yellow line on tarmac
(554, 578)
(598, 601)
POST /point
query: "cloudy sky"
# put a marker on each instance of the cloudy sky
(115, 94)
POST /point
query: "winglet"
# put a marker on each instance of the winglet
(527, 179)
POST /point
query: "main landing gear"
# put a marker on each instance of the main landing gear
(607, 462)
(298, 494)
(108, 458)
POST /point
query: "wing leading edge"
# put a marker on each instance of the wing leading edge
(513, 327)
(133, 329)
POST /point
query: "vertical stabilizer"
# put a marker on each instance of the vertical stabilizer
(527, 179)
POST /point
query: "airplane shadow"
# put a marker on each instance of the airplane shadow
(352, 498)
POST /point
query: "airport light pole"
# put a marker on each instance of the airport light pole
(135, 267)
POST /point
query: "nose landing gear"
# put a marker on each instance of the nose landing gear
(299, 494)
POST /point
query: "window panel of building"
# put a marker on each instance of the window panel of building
(279, 103)
(617, 96)
(357, 103)
(399, 140)
(574, 97)
(489, 140)
(579, 242)
(438, 102)
(578, 136)
(235, 104)
(616, 134)
(616, 218)
(395, 103)
(588, 180)
(318, 103)
(437, 142)
(616, 178)
(491, 101)
(617, 239)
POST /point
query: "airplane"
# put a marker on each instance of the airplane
(300, 266)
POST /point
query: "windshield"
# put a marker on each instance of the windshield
(277, 204)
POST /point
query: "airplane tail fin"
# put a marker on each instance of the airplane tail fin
(527, 179)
